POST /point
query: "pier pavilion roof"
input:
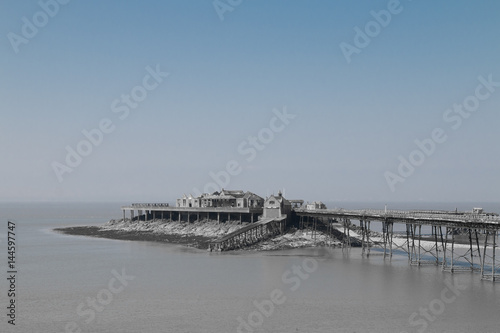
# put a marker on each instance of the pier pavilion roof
(220, 197)
(234, 193)
(230, 195)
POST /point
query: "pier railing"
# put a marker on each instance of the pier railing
(167, 207)
(441, 247)
(148, 205)
(423, 216)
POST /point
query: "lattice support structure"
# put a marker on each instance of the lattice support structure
(490, 267)
(365, 237)
(457, 259)
(346, 242)
(458, 241)
(387, 233)
(421, 253)
(390, 245)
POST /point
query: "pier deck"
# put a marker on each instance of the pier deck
(440, 247)
(162, 211)
(425, 217)
(444, 225)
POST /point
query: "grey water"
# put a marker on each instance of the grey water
(84, 284)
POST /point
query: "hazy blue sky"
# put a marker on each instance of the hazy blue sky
(353, 119)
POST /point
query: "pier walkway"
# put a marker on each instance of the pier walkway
(250, 234)
(441, 245)
(450, 219)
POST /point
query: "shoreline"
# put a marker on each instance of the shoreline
(199, 234)
(196, 234)
(199, 242)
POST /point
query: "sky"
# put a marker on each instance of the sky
(143, 101)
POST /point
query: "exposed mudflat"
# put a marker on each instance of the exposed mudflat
(200, 242)
(196, 234)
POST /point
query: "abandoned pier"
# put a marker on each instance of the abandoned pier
(274, 215)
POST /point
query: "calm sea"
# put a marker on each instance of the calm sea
(83, 284)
